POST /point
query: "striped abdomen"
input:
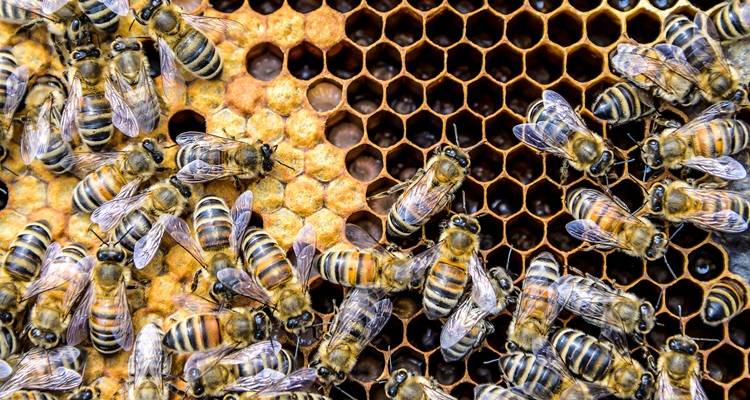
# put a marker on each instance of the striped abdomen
(94, 120)
(443, 288)
(622, 103)
(56, 150)
(730, 20)
(45, 87)
(540, 276)
(523, 369)
(198, 54)
(8, 342)
(212, 223)
(725, 299)
(396, 224)
(24, 257)
(97, 188)
(283, 361)
(133, 226)
(195, 333)
(495, 392)
(31, 395)
(8, 64)
(103, 324)
(720, 137)
(15, 15)
(192, 152)
(349, 267)
(102, 17)
(582, 354)
(265, 259)
(471, 340)
(604, 212)
(683, 33)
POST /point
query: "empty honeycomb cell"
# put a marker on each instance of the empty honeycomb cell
(588, 262)
(725, 364)
(403, 162)
(344, 129)
(499, 130)
(623, 139)
(404, 95)
(349, 389)
(423, 333)
(368, 222)
(226, 6)
(364, 162)
(444, 28)
(504, 63)
(325, 295)
(685, 295)
(404, 27)
(343, 6)
(305, 61)
(481, 368)
(738, 329)
(466, 6)
(505, 197)
(524, 165)
(739, 391)
(264, 61)
(324, 95)
(425, 61)
(584, 64)
(544, 64)
(383, 61)
(663, 4)
(505, 6)
(546, 6)
(705, 5)
(344, 60)
(383, 5)
(369, 366)
(486, 163)
(380, 204)
(305, 6)
(391, 335)
(464, 61)
(500, 323)
(667, 327)
(424, 5)
(648, 291)
(520, 94)
(491, 233)
(424, 129)
(384, 129)
(623, 5)
(525, 29)
(364, 95)
(466, 126)
(524, 232)
(661, 271)
(445, 96)
(629, 193)
(463, 391)
(446, 373)
(471, 196)
(411, 359)
(185, 121)
(622, 268)
(603, 28)
(706, 262)
(364, 27)
(713, 335)
(585, 5)
(265, 7)
(565, 28)
(484, 28)
(544, 198)
(643, 27)
(377, 390)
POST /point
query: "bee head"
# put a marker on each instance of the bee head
(120, 45)
(181, 187)
(682, 344)
(656, 197)
(645, 387)
(43, 338)
(299, 322)
(107, 253)
(260, 319)
(502, 278)
(457, 154)
(153, 150)
(601, 165)
(148, 10)
(85, 393)
(394, 384)
(720, 83)
(465, 222)
(266, 152)
(651, 153)
(657, 247)
(7, 318)
(645, 318)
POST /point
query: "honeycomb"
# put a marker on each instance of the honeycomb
(357, 94)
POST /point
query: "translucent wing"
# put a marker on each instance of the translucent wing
(222, 26)
(34, 6)
(696, 389)
(255, 383)
(482, 292)
(632, 61)
(119, 7)
(298, 380)
(122, 115)
(714, 51)
(417, 266)
(187, 6)
(5, 369)
(423, 199)
(460, 323)
(142, 91)
(724, 167)
(79, 322)
(173, 85)
(534, 298)
(720, 110)
(590, 231)
(50, 6)
(15, 88)
(664, 388)
(109, 214)
(543, 137)
(240, 282)
(200, 361)
(561, 110)
(59, 379)
(178, 229)
(360, 237)
(36, 135)
(195, 304)
(148, 354)
(241, 212)
(304, 251)
(87, 162)
(199, 171)
(260, 349)
(435, 394)
(725, 221)
(365, 307)
(68, 125)
(146, 247)
(586, 298)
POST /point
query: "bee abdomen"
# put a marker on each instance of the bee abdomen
(8, 342)
(103, 325)
(348, 268)
(471, 340)
(622, 103)
(14, 15)
(198, 55)
(285, 396)
(582, 354)
(31, 395)
(95, 121)
(134, 226)
(196, 333)
(213, 223)
(729, 20)
(683, 33)
(96, 189)
(192, 152)
(283, 361)
(266, 259)
(100, 15)
(725, 299)
(495, 392)
(443, 288)
(526, 370)
(396, 224)
(54, 154)
(24, 257)
(721, 137)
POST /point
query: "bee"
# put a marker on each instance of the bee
(604, 363)
(104, 14)
(731, 20)
(276, 396)
(699, 42)
(679, 370)
(214, 373)
(203, 157)
(103, 313)
(271, 278)
(9, 344)
(428, 192)
(495, 392)
(209, 326)
(467, 327)
(32, 395)
(607, 223)
(661, 69)
(705, 143)
(57, 369)
(707, 208)
(13, 81)
(370, 266)
(138, 220)
(616, 311)
(622, 103)
(147, 366)
(404, 385)
(361, 316)
(62, 279)
(724, 299)
(537, 305)
(270, 384)
(555, 127)
(4, 195)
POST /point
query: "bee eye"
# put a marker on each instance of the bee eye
(306, 316)
(50, 337)
(292, 323)
(36, 333)
(505, 284)
(642, 326)
(451, 152)
(340, 375)
(6, 317)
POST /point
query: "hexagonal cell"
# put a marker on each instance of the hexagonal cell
(403, 27)
(504, 63)
(689, 236)
(364, 162)
(364, 27)
(505, 197)
(585, 5)
(622, 5)
(380, 204)
(425, 61)
(558, 236)
(184, 121)
(377, 390)
(588, 262)
(423, 333)
(464, 391)
(623, 269)
(305, 6)
(464, 62)
(305, 61)
(683, 297)
(344, 60)
(383, 5)
(667, 326)
(499, 130)
(706, 263)
(265, 7)
(663, 4)
(324, 95)
(406, 304)
(559, 174)
(520, 94)
(404, 161)
(664, 270)
(391, 335)
(226, 6)
(364, 95)
(544, 198)
(739, 391)
(466, 126)
(524, 232)
(444, 28)
(725, 364)
(544, 64)
(484, 29)
(525, 29)
(492, 232)
(446, 373)
(603, 28)
(482, 369)
(383, 61)
(466, 6)
(546, 6)
(629, 193)
(648, 291)
(344, 129)
(469, 199)
(524, 165)
(404, 95)
(644, 26)
(584, 64)
(349, 388)
(384, 129)
(622, 137)
(368, 221)
(445, 96)
(424, 129)
(424, 5)
(343, 6)
(324, 295)
(264, 61)
(564, 28)
(486, 163)
(697, 329)
(738, 329)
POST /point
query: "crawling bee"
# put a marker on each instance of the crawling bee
(622, 103)
(273, 385)
(724, 299)
(404, 385)
(553, 126)
(13, 81)
(57, 369)
(607, 223)
(104, 14)
(148, 365)
(361, 316)
(732, 20)
(679, 370)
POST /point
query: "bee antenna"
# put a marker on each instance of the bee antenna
(345, 393)
(679, 227)
(632, 138)
(97, 235)
(390, 361)
(455, 134)
(10, 170)
(123, 236)
(491, 361)
(296, 348)
(133, 21)
(703, 339)
(669, 267)
(285, 164)
(463, 200)
(646, 170)
(507, 260)
(624, 161)
(679, 313)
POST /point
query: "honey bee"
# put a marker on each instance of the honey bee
(209, 326)
(622, 103)
(32, 395)
(467, 327)
(607, 223)
(555, 127)
(103, 312)
(9, 346)
(85, 393)
(404, 385)
(615, 311)
(495, 392)
(270, 384)
(13, 81)
(724, 299)
(271, 278)
(104, 14)
(679, 370)
(369, 267)
(62, 279)
(428, 192)
(537, 306)
(707, 208)
(731, 20)
(57, 369)
(147, 366)
(603, 363)
(276, 396)
(705, 143)
(139, 220)
(362, 315)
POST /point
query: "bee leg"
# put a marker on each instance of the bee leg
(238, 184)
(196, 277)
(564, 172)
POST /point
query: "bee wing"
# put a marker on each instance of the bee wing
(482, 292)
(240, 282)
(362, 305)
(123, 116)
(417, 266)
(34, 6)
(664, 388)
(146, 247)
(36, 134)
(123, 332)
(223, 26)
(708, 28)
(241, 212)
(5, 369)
(696, 389)
(589, 302)
(109, 214)
(243, 356)
(79, 322)
(590, 231)
(173, 84)
(195, 304)
(87, 162)
(724, 220)
(119, 7)
(297, 380)
(722, 109)
(423, 199)
(628, 60)
(201, 361)
(544, 137)
(60, 379)
(435, 394)
(50, 6)
(255, 383)
(15, 88)
(561, 110)
(304, 251)
(148, 349)
(190, 137)
(178, 229)
(460, 323)
(199, 171)
(360, 237)
(68, 120)
(535, 297)
(724, 167)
